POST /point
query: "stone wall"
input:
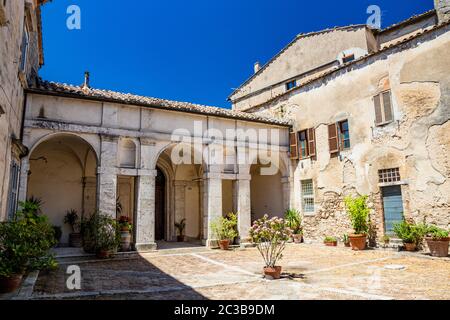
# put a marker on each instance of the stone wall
(416, 141)
(12, 83)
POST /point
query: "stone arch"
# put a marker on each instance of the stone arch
(63, 173)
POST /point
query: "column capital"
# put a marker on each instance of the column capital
(106, 170)
(109, 137)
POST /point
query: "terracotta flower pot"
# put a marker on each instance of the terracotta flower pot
(358, 241)
(103, 254)
(410, 247)
(224, 244)
(274, 273)
(75, 240)
(297, 238)
(438, 248)
(331, 243)
(9, 284)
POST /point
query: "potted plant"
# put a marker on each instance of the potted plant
(346, 240)
(330, 241)
(270, 237)
(25, 244)
(294, 221)
(71, 218)
(58, 234)
(88, 233)
(437, 241)
(386, 240)
(232, 223)
(224, 229)
(107, 238)
(359, 217)
(410, 233)
(125, 227)
(180, 226)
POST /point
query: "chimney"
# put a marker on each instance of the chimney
(442, 9)
(257, 66)
(86, 80)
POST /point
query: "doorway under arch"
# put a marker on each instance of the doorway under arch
(160, 206)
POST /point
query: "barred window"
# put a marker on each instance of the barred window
(307, 196)
(389, 175)
(13, 189)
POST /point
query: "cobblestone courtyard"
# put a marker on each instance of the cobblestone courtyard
(198, 273)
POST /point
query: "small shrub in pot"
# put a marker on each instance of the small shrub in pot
(359, 217)
(410, 233)
(438, 241)
(330, 241)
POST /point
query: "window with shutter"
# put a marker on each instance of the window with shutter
(293, 145)
(333, 138)
(312, 142)
(378, 113)
(387, 106)
(383, 108)
(303, 144)
(344, 135)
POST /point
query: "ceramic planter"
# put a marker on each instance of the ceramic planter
(224, 244)
(330, 243)
(125, 240)
(75, 240)
(410, 247)
(438, 247)
(297, 238)
(274, 273)
(358, 241)
(10, 284)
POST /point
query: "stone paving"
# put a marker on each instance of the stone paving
(318, 273)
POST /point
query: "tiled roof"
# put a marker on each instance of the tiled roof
(409, 20)
(298, 37)
(355, 62)
(71, 91)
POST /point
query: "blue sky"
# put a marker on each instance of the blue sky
(188, 50)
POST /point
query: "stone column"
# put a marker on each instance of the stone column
(288, 198)
(107, 176)
(145, 211)
(243, 204)
(23, 182)
(212, 205)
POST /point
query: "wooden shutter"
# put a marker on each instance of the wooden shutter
(312, 142)
(387, 106)
(333, 138)
(293, 145)
(378, 113)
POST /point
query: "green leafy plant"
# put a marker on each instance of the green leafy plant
(358, 213)
(125, 224)
(330, 239)
(58, 233)
(410, 232)
(270, 237)
(71, 218)
(180, 227)
(436, 233)
(386, 239)
(294, 220)
(345, 239)
(107, 235)
(224, 228)
(25, 242)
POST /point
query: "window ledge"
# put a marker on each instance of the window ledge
(395, 183)
(382, 124)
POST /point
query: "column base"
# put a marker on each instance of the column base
(145, 247)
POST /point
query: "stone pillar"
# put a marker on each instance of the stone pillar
(107, 176)
(180, 200)
(107, 191)
(288, 197)
(442, 9)
(243, 206)
(23, 182)
(212, 205)
(145, 211)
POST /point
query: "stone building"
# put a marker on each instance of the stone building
(370, 112)
(20, 58)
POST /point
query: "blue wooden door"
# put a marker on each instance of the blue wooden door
(393, 207)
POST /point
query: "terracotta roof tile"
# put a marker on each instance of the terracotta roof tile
(72, 91)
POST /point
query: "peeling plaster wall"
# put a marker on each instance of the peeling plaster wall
(417, 141)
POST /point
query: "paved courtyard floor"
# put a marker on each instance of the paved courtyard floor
(311, 272)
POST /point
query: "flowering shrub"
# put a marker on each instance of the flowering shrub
(270, 236)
